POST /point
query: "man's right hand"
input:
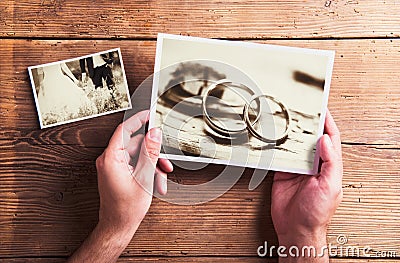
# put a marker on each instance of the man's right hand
(303, 205)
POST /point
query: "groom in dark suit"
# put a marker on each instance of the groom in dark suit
(98, 69)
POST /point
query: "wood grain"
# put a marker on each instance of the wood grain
(193, 139)
(48, 193)
(227, 19)
(196, 259)
(53, 188)
(361, 100)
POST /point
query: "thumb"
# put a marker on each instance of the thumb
(331, 169)
(326, 148)
(146, 165)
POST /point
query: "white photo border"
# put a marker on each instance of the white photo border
(324, 104)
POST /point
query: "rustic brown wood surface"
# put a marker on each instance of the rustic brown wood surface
(48, 192)
(192, 259)
(219, 19)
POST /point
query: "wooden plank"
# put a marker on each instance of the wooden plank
(364, 97)
(228, 19)
(29, 166)
(49, 197)
(196, 259)
(53, 188)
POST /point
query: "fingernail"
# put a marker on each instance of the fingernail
(155, 134)
(164, 186)
(328, 141)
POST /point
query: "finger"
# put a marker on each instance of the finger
(332, 167)
(134, 144)
(123, 133)
(161, 182)
(165, 165)
(148, 157)
(133, 148)
(332, 130)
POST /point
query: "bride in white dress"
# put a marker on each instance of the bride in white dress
(60, 98)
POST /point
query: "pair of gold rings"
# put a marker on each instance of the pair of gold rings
(247, 122)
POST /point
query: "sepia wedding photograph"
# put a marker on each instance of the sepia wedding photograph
(240, 103)
(80, 88)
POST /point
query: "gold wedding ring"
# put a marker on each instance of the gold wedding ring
(232, 86)
(247, 123)
(277, 140)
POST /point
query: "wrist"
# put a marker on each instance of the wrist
(299, 237)
(311, 245)
(120, 236)
(102, 245)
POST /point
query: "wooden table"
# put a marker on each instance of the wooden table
(48, 192)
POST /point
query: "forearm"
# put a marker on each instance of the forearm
(102, 245)
(310, 248)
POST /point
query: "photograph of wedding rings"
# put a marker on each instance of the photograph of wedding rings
(240, 103)
(80, 88)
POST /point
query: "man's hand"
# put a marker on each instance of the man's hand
(302, 205)
(126, 175)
